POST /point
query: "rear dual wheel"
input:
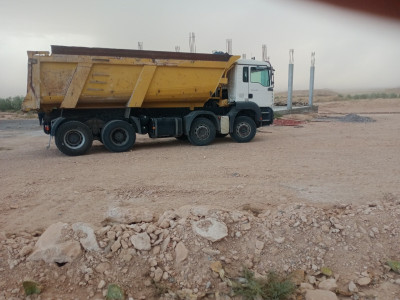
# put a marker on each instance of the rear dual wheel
(73, 138)
(118, 136)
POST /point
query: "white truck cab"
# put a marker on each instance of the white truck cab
(251, 80)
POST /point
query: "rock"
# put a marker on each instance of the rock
(280, 240)
(164, 224)
(181, 252)
(141, 241)
(165, 276)
(111, 235)
(166, 217)
(25, 251)
(156, 250)
(165, 244)
(245, 226)
(363, 281)
(102, 267)
(127, 216)
(210, 229)
(52, 247)
(116, 245)
(151, 228)
(352, 287)
(158, 273)
(312, 279)
(320, 295)
(260, 245)
(200, 211)
(89, 243)
(101, 284)
(328, 284)
(306, 286)
(211, 251)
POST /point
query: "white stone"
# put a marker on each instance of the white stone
(280, 240)
(260, 245)
(101, 284)
(181, 252)
(116, 245)
(52, 247)
(158, 273)
(328, 284)
(141, 241)
(210, 229)
(364, 281)
(306, 286)
(352, 287)
(320, 295)
(89, 243)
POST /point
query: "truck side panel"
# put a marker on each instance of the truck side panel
(77, 81)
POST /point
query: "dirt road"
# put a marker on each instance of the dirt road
(323, 162)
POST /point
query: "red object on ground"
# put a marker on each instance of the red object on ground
(287, 122)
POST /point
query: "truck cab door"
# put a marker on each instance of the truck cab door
(260, 85)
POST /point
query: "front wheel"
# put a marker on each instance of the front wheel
(73, 138)
(202, 132)
(118, 136)
(244, 129)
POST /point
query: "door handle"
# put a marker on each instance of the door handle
(250, 96)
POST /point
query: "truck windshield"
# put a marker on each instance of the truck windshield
(260, 75)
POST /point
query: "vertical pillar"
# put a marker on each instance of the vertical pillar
(229, 46)
(290, 80)
(311, 89)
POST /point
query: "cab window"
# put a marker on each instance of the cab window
(245, 74)
(260, 75)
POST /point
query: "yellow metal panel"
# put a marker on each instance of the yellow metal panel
(75, 87)
(82, 81)
(141, 87)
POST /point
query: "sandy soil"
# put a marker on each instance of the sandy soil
(321, 163)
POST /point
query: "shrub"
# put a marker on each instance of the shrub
(11, 103)
(273, 287)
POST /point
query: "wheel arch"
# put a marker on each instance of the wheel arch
(249, 109)
(188, 119)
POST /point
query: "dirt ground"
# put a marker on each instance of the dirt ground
(322, 163)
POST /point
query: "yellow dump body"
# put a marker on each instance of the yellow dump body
(77, 77)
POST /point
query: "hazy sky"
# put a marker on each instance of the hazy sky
(352, 50)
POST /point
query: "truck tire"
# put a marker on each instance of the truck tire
(73, 138)
(244, 129)
(202, 132)
(118, 136)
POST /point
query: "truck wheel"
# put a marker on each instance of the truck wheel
(244, 129)
(118, 136)
(73, 138)
(202, 132)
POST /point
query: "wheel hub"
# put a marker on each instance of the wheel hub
(202, 132)
(119, 136)
(74, 139)
(243, 130)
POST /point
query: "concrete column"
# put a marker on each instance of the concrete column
(290, 80)
(311, 89)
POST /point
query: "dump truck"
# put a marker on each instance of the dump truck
(111, 95)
